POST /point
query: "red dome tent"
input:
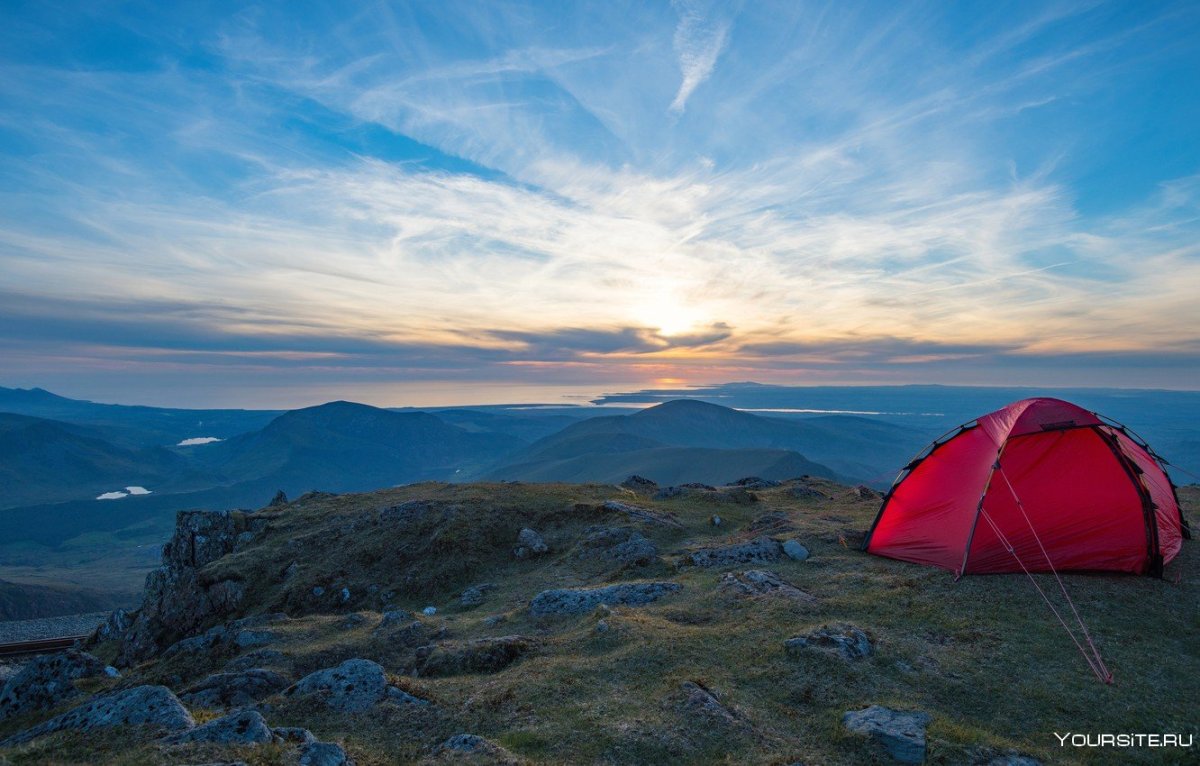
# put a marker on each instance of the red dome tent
(1063, 487)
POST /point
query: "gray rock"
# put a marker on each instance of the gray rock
(640, 484)
(699, 703)
(794, 550)
(247, 639)
(715, 520)
(495, 619)
(344, 595)
(477, 748)
(761, 550)
(805, 492)
(900, 733)
(112, 629)
(755, 582)
(318, 591)
(256, 659)
(863, 492)
(242, 727)
(529, 544)
(47, 681)
(279, 500)
(755, 482)
(847, 641)
(482, 655)
(644, 515)
(235, 689)
(473, 596)
(621, 545)
(393, 619)
(150, 706)
(324, 754)
(354, 686)
(293, 735)
(581, 600)
(176, 601)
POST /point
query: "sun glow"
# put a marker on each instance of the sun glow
(669, 316)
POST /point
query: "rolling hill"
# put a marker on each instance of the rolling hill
(840, 445)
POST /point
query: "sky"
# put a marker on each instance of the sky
(208, 204)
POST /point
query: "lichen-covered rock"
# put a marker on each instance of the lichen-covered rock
(529, 544)
(471, 748)
(47, 681)
(152, 707)
(324, 754)
(354, 686)
(761, 550)
(620, 545)
(235, 689)
(474, 595)
(900, 733)
(113, 628)
(847, 641)
(245, 727)
(178, 601)
(482, 655)
(756, 582)
(582, 600)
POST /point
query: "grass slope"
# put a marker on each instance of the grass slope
(982, 655)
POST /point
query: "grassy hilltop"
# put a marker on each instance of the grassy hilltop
(983, 656)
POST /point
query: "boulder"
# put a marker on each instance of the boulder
(293, 735)
(352, 687)
(863, 492)
(755, 482)
(474, 595)
(582, 600)
(805, 492)
(529, 544)
(112, 629)
(47, 681)
(900, 733)
(756, 582)
(794, 550)
(621, 545)
(245, 727)
(324, 754)
(847, 641)
(152, 707)
(482, 655)
(761, 550)
(235, 689)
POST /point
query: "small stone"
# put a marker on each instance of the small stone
(294, 735)
(602, 626)
(345, 595)
(794, 550)
(393, 618)
(493, 620)
(715, 520)
(318, 591)
(473, 596)
(901, 733)
(429, 611)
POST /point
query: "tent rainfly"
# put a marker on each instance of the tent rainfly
(1040, 485)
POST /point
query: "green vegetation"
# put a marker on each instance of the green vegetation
(983, 655)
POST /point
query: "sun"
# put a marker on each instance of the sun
(669, 316)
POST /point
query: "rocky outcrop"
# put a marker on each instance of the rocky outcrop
(483, 655)
(846, 641)
(245, 727)
(732, 494)
(48, 681)
(235, 689)
(756, 582)
(474, 595)
(698, 703)
(154, 708)
(620, 545)
(529, 544)
(863, 492)
(112, 629)
(754, 482)
(761, 550)
(805, 492)
(178, 600)
(582, 600)
(352, 687)
(246, 633)
(900, 733)
(640, 484)
(324, 754)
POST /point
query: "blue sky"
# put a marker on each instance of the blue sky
(426, 202)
